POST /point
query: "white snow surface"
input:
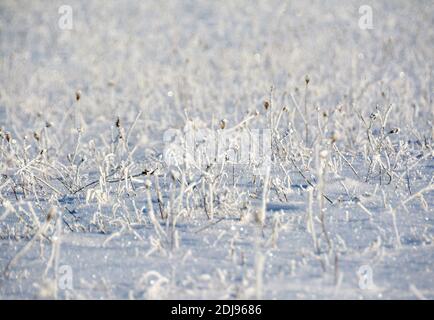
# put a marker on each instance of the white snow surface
(157, 65)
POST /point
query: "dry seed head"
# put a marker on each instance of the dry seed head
(307, 79)
(266, 105)
(51, 214)
(335, 136)
(222, 124)
(394, 130)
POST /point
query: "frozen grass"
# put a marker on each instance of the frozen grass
(84, 181)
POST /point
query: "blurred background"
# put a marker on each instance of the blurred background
(213, 58)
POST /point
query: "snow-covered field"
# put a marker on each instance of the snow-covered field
(216, 149)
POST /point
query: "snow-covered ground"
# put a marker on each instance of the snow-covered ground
(102, 102)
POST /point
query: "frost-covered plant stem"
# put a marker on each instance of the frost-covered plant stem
(262, 212)
(157, 227)
(310, 221)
